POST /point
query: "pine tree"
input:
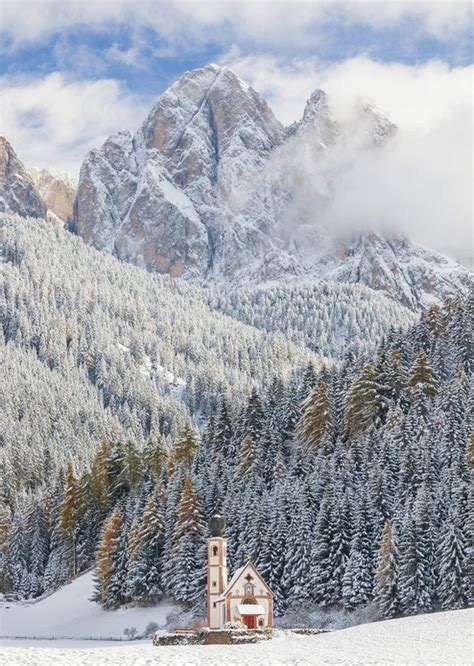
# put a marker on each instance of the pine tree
(297, 571)
(453, 565)
(387, 595)
(316, 423)
(188, 551)
(151, 544)
(321, 553)
(154, 457)
(416, 564)
(358, 578)
(5, 527)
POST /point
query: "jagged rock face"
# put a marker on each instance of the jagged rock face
(57, 191)
(214, 189)
(410, 274)
(18, 193)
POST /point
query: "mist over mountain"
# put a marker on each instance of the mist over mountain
(214, 189)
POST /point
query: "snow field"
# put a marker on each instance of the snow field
(439, 638)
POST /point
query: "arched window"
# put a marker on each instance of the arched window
(215, 550)
(250, 601)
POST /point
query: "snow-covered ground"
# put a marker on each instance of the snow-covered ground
(69, 613)
(440, 638)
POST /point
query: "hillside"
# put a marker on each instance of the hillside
(70, 613)
(91, 344)
(329, 318)
(440, 638)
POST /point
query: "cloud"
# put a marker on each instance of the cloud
(413, 96)
(421, 183)
(53, 122)
(268, 22)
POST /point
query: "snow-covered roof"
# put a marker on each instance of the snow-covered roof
(250, 609)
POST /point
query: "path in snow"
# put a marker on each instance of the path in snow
(439, 638)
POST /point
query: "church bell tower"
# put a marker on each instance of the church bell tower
(216, 572)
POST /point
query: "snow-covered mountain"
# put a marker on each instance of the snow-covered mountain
(18, 193)
(58, 191)
(215, 189)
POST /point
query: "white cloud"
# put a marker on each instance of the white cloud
(421, 184)
(268, 21)
(52, 122)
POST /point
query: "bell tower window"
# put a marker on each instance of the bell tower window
(215, 550)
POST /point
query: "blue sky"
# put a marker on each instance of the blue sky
(146, 60)
(75, 71)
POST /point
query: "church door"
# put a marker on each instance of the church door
(250, 621)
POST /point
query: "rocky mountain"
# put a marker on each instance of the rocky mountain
(58, 191)
(213, 188)
(18, 193)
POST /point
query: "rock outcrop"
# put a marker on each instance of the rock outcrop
(58, 191)
(18, 193)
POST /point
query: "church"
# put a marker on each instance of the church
(246, 598)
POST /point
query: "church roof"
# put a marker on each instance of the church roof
(236, 576)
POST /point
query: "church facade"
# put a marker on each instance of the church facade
(245, 598)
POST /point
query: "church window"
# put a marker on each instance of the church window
(215, 550)
(214, 583)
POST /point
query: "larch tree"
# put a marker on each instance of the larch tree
(316, 423)
(248, 461)
(186, 447)
(422, 376)
(107, 555)
(363, 404)
(386, 592)
(68, 518)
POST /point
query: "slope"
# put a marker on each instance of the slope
(441, 638)
(69, 613)
(91, 342)
(328, 317)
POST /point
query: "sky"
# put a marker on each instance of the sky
(75, 71)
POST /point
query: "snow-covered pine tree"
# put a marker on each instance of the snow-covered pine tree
(453, 565)
(358, 578)
(188, 551)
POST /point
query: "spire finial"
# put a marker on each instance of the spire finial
(216, 525)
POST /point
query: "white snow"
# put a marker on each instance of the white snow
(179, 199)
(69, 613)
(440, 638)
